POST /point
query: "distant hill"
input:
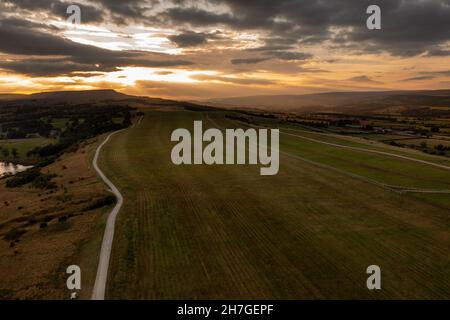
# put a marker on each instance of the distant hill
(337, 101)
(405, 102)
(91, 96)
(77, 96)
(8, 97)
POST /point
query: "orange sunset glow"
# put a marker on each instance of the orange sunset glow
(206, 49)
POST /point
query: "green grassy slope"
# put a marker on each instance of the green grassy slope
(23, 146)
(202, 232)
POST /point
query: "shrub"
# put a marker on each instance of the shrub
(39, 180)
(14, 234)
(43, 181)
(22, 178)
(102, 202)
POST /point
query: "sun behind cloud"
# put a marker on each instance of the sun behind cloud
(222, 48)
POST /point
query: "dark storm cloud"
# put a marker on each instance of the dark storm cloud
(289, 55)
(12, 22)
(437, 52)
(429, 75)
(272, 48)
(445, 73)
(120, 10)
(125, 11)
(198, 17)
(20, 38)
(58, 67)
(248, 60)
(419, 78)
(408, 27)
(280, 55)
(286, 28)
(364, 79)
(127, 8)
(240, 81)
(47, 67)
(189, 39)
(89, 13)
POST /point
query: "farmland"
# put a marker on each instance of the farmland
(23, 146)
(211, 232)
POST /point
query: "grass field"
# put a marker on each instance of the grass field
(430, 142)
(60, 123)
(23, 146)
(225, 232)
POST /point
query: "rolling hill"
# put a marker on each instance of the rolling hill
(407, 102)
(9, 97)
(355, 102)
(72, 96)
(79, 97)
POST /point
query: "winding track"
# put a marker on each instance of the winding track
(98, 293)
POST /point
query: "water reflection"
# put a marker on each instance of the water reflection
(10, 168)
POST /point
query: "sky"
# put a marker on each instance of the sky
(195, 50)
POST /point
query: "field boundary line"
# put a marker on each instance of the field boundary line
(392, 188)
(385, 153)
(441, 166)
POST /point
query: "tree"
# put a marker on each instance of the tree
(5, 153)
(15, 134)
(440, 147)
(126, 119)
(435, 129)
(14, 153)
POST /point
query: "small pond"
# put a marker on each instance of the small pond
(10, 168)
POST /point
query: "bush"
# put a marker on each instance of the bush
(22, 178)
(14, 234)
(100, 203)
(39, 180)
(31, 220)
(43, 181)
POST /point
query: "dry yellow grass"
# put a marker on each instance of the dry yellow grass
(33, 266)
